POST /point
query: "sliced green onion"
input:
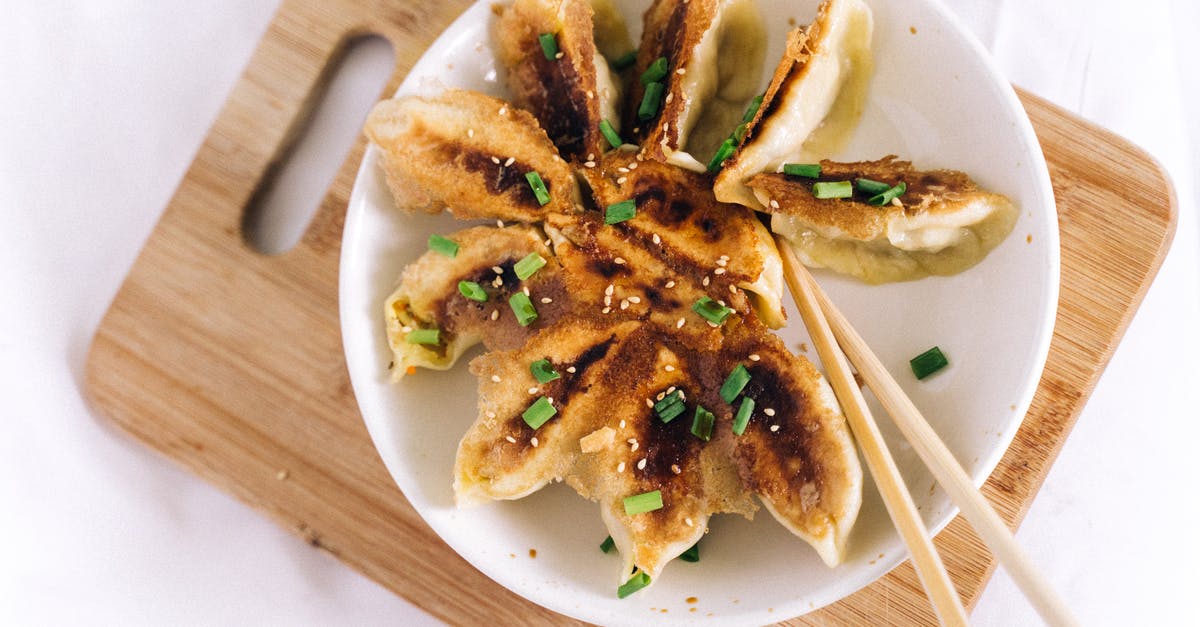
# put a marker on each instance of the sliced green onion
(692, 554)
(543, 371)
(735, 383)
(752, 110)
(870, 187)
(886, 197)
(528, 265)
(642, 503)
(739, 133)
(656, 71)
(549, 46)
(638, 581)
(538, 187)
(668, 400)
(424, 336)
(833, 189)
(711, 310)
(650, 101)
(539, 412)
(439, 244)
(806, 170)
(608, 545)
(624, 61)
(928, 362)
(724, 152)
(702, 423)
(672, 412)
(473, 291)
(742, 418)
(610, 134)
(620, 212)
(523, 308)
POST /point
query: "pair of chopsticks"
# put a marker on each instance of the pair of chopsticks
(825, 323)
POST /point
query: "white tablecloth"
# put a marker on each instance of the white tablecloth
(104, 102)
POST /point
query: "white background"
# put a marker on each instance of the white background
(104, 102)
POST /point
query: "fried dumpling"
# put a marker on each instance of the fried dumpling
(571, 93)
(814, 101)
(941, 225)
(714, 53)
(468, 153)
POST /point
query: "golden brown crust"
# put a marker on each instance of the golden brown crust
(468, 153)
(563, 92)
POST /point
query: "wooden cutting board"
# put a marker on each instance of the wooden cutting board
(230, 362)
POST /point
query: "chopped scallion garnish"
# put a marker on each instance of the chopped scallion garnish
(624, 61)
(833, 189)
(735, 383)
(711, 310)
(739, 133)
(638, 581)
(620, 212)
(702, 423)
(543, 371)
(742, 418)
(424, 336)
(610, 134)
(806, 170)
(473, 291)
(608, 545)
(670, 407)
(692, 554)
(870, 187)
(538, 187)
(724, 152)
(650, 101)
(528, 265)
(752, 110)
(656, 71)
(439, 244)
(928, 362)
(549, 46)
(523, 308)
(642, 503)
(886, 197)
(539, 412)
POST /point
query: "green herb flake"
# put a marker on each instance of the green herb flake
(610, 134)
(539, 412)
(642, 503)
(523, 308)
(929, 362)
(620, 212)
(638, 581)
(656, 72)
(543, 371)
(473, 291)
(723, 152)
(608, 545)
(806, 170)
(651, 100)
(702, 423)
(734, 383)
(528, 265)
(439, 244)
(825, 190)
(549, 45)
(742, 418)
(539, 187)
(624, 61)
(424, 336)
(711, 310)
(692, 554)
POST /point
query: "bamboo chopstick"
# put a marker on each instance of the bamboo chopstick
(929, 447)
(895, 494)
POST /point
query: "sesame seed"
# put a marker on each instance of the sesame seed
(676, 469)
(656, 239)
(547, 300)
(661, 395)
(642, 464)
(621, 424)
(282, 474)
(533, 390)
(533, 441)
(621, 467)
(669, 98)
(679, 323)
(722, 262)
(712, 324)
(669, 368)
(590, 94)
(571, 369)
(559, 55)
(620, 261)
(774, 204)
(621, 181)
(671, 389)
(510, 439)
(649, 403)
(495, 314)
(670, 284)
(719, 271)
(896, 202)
(635, 299)
(720, 302)
(624, 304)
(497, 269)
(705, 282)
(509, 161)
(491, 414)
(666, 125)
(591, 156)
(607, 300)
(606, 310)
(498, 282)
(503, 110)
(496, 160)
(768, 411)
(754, 357)
(526, 290)
(589, 164)
(688, 521)
(633, 165)
(609, 290)
(623, 170)
(550, 399)
(495, 378)
(548, 242)
(633, 447)
(774, 428)
(725, 257)
(470, 132)
(681, 71)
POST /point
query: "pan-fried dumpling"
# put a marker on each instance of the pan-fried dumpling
(714, 51)
(815, 99)
(941, 225)
(468, 153)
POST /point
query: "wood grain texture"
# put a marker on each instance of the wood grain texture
(230, 362)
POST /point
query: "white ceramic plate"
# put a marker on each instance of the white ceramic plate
(935, 99)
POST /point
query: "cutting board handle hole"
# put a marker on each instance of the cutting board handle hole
(292, 190)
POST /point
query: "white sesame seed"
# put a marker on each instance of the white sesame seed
(621, 467)
(495, 378)
(670, 96)
(470, 132)
(633, 165)
(650, 403)
(676, 469)
(491, 414)
(509, 161)
(510, 439)
(719, 271)
(642, 464)
(661, 395)
(671, 389)
(526, 290)
(608, 291)
(533, 441)
(624, 304)
(705, 282)
(606, 310)
(571, 369)
(623, 170)
(720, 302)
(768, 411)
(688, 521)
(732, 288)
(666, 125)
(503, 110)
(497, 269)
(558, 55)
(590, 94)
(547, 300)
(589, 164)
(496, 160)
(679, 323)
(754, 357)
(533, 390)
(550, 399)
(621, 424)
(669, 368)
(635, 299)
(633, 447)
(656, 239)
(725, 257)
(722, 262)
(670, 284)
(620, 261)
(495, 314)
(774, 204)
(681, 71)
(591, 156)
(621, 181)
(896, 202)
(498, 282)
(607, 300)
(712, 324)
(774, 428)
